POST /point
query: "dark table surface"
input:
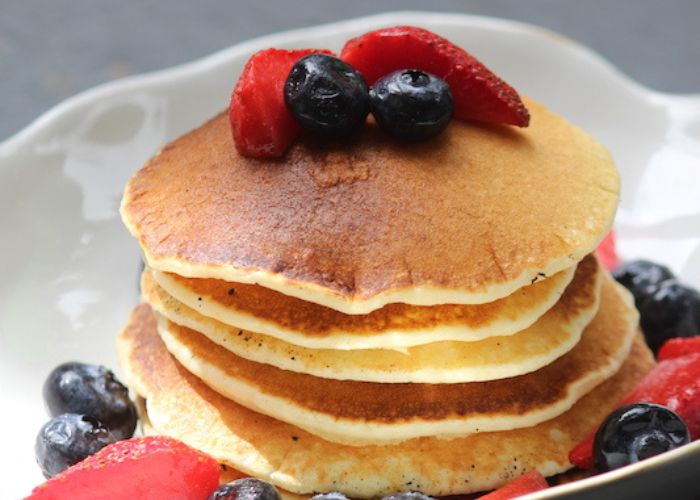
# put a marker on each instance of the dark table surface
(52, 49)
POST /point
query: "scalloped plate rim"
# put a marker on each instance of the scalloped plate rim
(153, 78)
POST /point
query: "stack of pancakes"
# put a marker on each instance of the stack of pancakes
(371, 316)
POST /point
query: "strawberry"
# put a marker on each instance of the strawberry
(527, 483)
(607, 252)
(674, 383)
(675, 348)
(146, 468)
(478, 94)
(262, 126)
(582, 455)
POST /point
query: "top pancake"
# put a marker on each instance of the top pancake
(466, 218)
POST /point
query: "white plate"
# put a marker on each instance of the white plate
(70, 269)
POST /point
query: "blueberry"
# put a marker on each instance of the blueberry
(326, 95)
(669, 310)
(410, 495)
(91, 390)
(246, 489)
(636, 432)
(641, 277)
(334, 495)
(67, 439)
(411, 105)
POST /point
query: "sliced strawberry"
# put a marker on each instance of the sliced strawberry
(478, 94)
(675, 348)
(527, 483)
(582, 454)
(145, 468)
(262, 126)
(607, 252)
(674, 383)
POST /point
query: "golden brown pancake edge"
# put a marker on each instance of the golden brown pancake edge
(354, 412)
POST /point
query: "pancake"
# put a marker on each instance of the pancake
(229, 474)
(182, 406)
(259, 309)
(466, 218)
(553, 335)
(359, 413)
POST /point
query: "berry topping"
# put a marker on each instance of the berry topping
(261, 124)
(149, 468)
(245, 489)
(527, 483)
(671, 310)
(478, 93)
(636, 432)
(411, 104)
(334, 495)
(326, 95)
(607, 252)
(409, 495)
(641, 277)
(667, 308)
(94, 391)
(673, 383)
(67, 439)
(676, 348)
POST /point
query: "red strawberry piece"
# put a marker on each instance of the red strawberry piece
(674, 383)
(262, 126)
(582, 455)
(527, 483)
(607, 252)
(478, 94)
(675, 348)
(145, 468)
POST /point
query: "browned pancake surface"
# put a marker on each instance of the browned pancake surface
(477, 207)
(496, 357)
(316, 320)
(406, 402)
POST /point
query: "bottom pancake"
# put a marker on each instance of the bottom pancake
(229, 474)
(182, 406)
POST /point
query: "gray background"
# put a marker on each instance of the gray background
(52, 49)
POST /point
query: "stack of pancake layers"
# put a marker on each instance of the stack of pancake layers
(370, 316)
